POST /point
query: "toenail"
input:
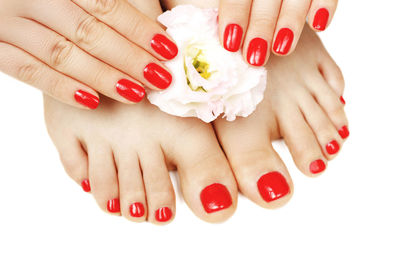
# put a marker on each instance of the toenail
(273, 186)
(163, 214)
(344, 132)
(136, 209)
(332, 147)
(215, 197)
(86, 185)
(317, 166)
(113, 205)
(342, 100)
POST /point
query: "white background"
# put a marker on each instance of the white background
(347, 217)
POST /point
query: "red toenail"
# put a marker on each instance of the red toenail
(163, 214)
(136, 209)
(342, 100)
(332, 147)
(215, 197)
(113, 205)
(317, 166)
(273, 186)
(344, 132)
(321, 19)
(86, 185)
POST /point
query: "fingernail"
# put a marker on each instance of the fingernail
(130, 90)
(136, 209)
(233, 37)
(163, 214)
(332, 147)
(321, 19)
(344, 132)
(273, 186)
(257, 52)
(342, 100)
(86, 99)
(113, 205)
(215, 197)
(164, 46)
(283, 41)
(317, 166)
(86, 185)
(157, 76)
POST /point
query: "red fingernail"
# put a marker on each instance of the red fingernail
(113, 205)
(233, 37)
(163, 214)
(136, 209)
(332, 147)
(86, 99)
(164, 46)
(86, 185)
(272, 186)
(321, 19)
(215, 197)
(283, 41)
(344, 132)
(342, 100)
(157, 76)
(257, 52)
(317, 166)
(130, 90)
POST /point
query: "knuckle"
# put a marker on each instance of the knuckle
(29, 73)
(88, 31)
(104, 6)
(60, 53)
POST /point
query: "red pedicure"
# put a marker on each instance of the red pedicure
(273, 186)
(257, 51)
(130, 90)
(215, 197)
(283, 41)
(157, 76)
(332, 147)
(136, 209)
(86, 99)
(321, 19)
(233, 37)
(342, 100)
(86, 185)
(113, 205)
(163, 214)
(344, 132)
(164, 46)
(317, 166)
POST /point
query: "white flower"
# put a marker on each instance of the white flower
(208, 80)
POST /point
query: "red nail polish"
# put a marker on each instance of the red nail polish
(283, 41)
(342, 100)
(233, 37)
(86, 185)
(163, 214)
(113, 205)
(321, 19)
(257, 52)
(86, 99)
(344, 132)
(317, 166)
(332, 147)
(273, 186)
(164, 46)
(215, 197)
(136, 209)
(130, 90)
(157, 76)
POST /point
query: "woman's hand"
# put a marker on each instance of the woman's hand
(266, 22)
(68, 47)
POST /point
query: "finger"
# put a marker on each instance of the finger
(260, 31)
(102, 42)
(233, 19)
(290, 25)
(321, 14)
(134, 25)
(21, 65)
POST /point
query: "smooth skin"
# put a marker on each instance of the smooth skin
(62, 47)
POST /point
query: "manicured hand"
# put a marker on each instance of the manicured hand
(262, 26)
(66, 48)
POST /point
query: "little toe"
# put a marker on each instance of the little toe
(332, 73)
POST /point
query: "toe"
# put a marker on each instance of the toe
(332, 74)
